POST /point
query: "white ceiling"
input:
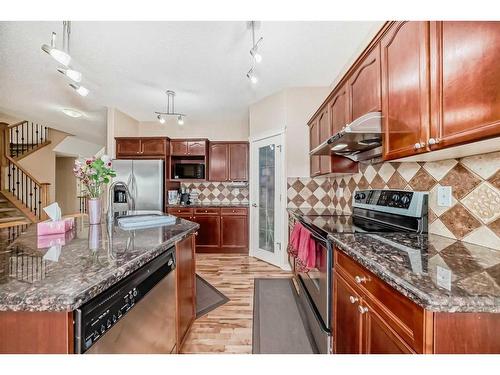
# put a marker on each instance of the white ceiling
(128, 65)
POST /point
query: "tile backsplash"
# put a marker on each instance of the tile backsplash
(219, 192)
(474, 215)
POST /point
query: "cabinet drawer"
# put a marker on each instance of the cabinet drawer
(405, 317)
(180, 210)
(207, 211)
(242, 211)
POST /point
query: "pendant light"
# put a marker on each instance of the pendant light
(57, 54)
(254, 52)
(170, 110)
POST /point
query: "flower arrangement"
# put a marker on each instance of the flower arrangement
(94, 173)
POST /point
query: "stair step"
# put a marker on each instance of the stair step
(12, 218)
(8, 209)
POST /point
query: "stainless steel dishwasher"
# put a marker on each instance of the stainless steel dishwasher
(136, 315)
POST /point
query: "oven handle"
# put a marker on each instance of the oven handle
(314, 235)
(313, 308)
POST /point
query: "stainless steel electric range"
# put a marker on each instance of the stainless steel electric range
(373, 211)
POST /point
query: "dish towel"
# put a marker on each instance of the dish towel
(303, 248)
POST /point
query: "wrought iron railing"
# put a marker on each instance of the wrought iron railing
(82, 203)
(25, 136)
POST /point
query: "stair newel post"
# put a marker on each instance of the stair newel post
(44, 199)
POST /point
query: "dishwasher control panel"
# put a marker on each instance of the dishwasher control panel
(99, 315)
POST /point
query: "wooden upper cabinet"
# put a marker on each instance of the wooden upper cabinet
(465, 73)
(197, 148)
(325, 132)
(364, 85)
(128, 147)
(405, 89)
(238, 161)
(339, 110)
(141, 148)
(178, 148)
(217, 161)
(153, 147)
(315, 169)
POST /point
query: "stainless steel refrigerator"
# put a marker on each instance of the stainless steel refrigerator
(145, 182)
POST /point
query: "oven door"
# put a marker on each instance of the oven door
(318, 280)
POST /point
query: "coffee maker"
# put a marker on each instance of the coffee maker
(184, 194)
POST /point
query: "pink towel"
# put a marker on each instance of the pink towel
(302, 247)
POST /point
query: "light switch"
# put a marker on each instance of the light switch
(444, 196)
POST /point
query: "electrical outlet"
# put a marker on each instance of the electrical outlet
(444, 196)
(236, 191)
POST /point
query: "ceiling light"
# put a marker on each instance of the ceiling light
(339, 147)
(71, 74)
(72, 112)
(58, 55)
(83, 91)
(252, 77)
(255, 51)
(170, 110)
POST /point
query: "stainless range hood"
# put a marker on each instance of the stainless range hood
(360, 140)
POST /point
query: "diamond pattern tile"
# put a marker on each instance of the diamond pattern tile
(484, 165)
(408, 170)
(439, 169)
(377, 182)
(422, 181)
(495, 227)
(386, 171)
(484, 203)
(396, 181)
(461, 180)
(495, 180)
(459, 221)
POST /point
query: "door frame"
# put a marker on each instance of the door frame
(280, 258)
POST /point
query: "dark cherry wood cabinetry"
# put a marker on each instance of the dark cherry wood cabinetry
(141, 148)
(185, 287)
(405, 89)
(371, 317)
(222, 230)
(465, 82)
(228, 161)
(188, 147)
(315, 166)
(364, 85)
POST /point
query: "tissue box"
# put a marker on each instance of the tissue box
(55, 227)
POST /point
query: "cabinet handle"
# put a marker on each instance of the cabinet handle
(418, 146)
(360, 279)
(362, 309)
(434, 141)
(353, 299)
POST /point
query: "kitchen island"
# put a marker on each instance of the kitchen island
(42, 282)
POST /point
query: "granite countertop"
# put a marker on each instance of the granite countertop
(34, 277)
(221, 204)
(435, 272)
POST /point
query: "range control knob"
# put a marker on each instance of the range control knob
(362, 195)
(103, 329)
(108, 323)
(114, 318)
(357, 196)
(405, 199)
(395, 197)
(134, 293)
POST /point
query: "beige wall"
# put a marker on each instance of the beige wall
(119, 124)
(66, 185)
(42, 163)
(267, 115)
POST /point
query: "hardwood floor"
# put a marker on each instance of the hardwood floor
(228, 329)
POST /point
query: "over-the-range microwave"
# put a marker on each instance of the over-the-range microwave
(189, 171)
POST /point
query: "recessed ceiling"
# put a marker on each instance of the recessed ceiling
(129, 65)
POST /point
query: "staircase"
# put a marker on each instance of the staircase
(22, 196)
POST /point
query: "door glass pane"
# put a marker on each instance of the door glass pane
(266, 197)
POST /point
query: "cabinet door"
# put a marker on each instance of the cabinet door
(178, 148)
(325, 132)
(196, 148)
(209, 233)
(128, 147)
(234, 233)
(364, 85)
(153, 147)
(378, 337)
(238, 161)
(465, 75)
(218, 162)
(313, 142)
(339, 110)
(347, 319)
(186, 287)
(405, 89)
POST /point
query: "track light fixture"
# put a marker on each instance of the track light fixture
(170, 110)
(254, 52)
(63, 57)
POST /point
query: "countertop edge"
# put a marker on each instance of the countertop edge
(406, 289)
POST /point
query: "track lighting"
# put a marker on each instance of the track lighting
(58, 55)
(255, 51)
(71, 74)
(252, 77)
(170, 110)
(83, 91)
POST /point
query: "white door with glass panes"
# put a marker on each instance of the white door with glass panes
(266, 215)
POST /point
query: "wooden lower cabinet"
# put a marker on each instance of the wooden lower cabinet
(370, 317)
(234, 232)
(209, 232)
(185, 287)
